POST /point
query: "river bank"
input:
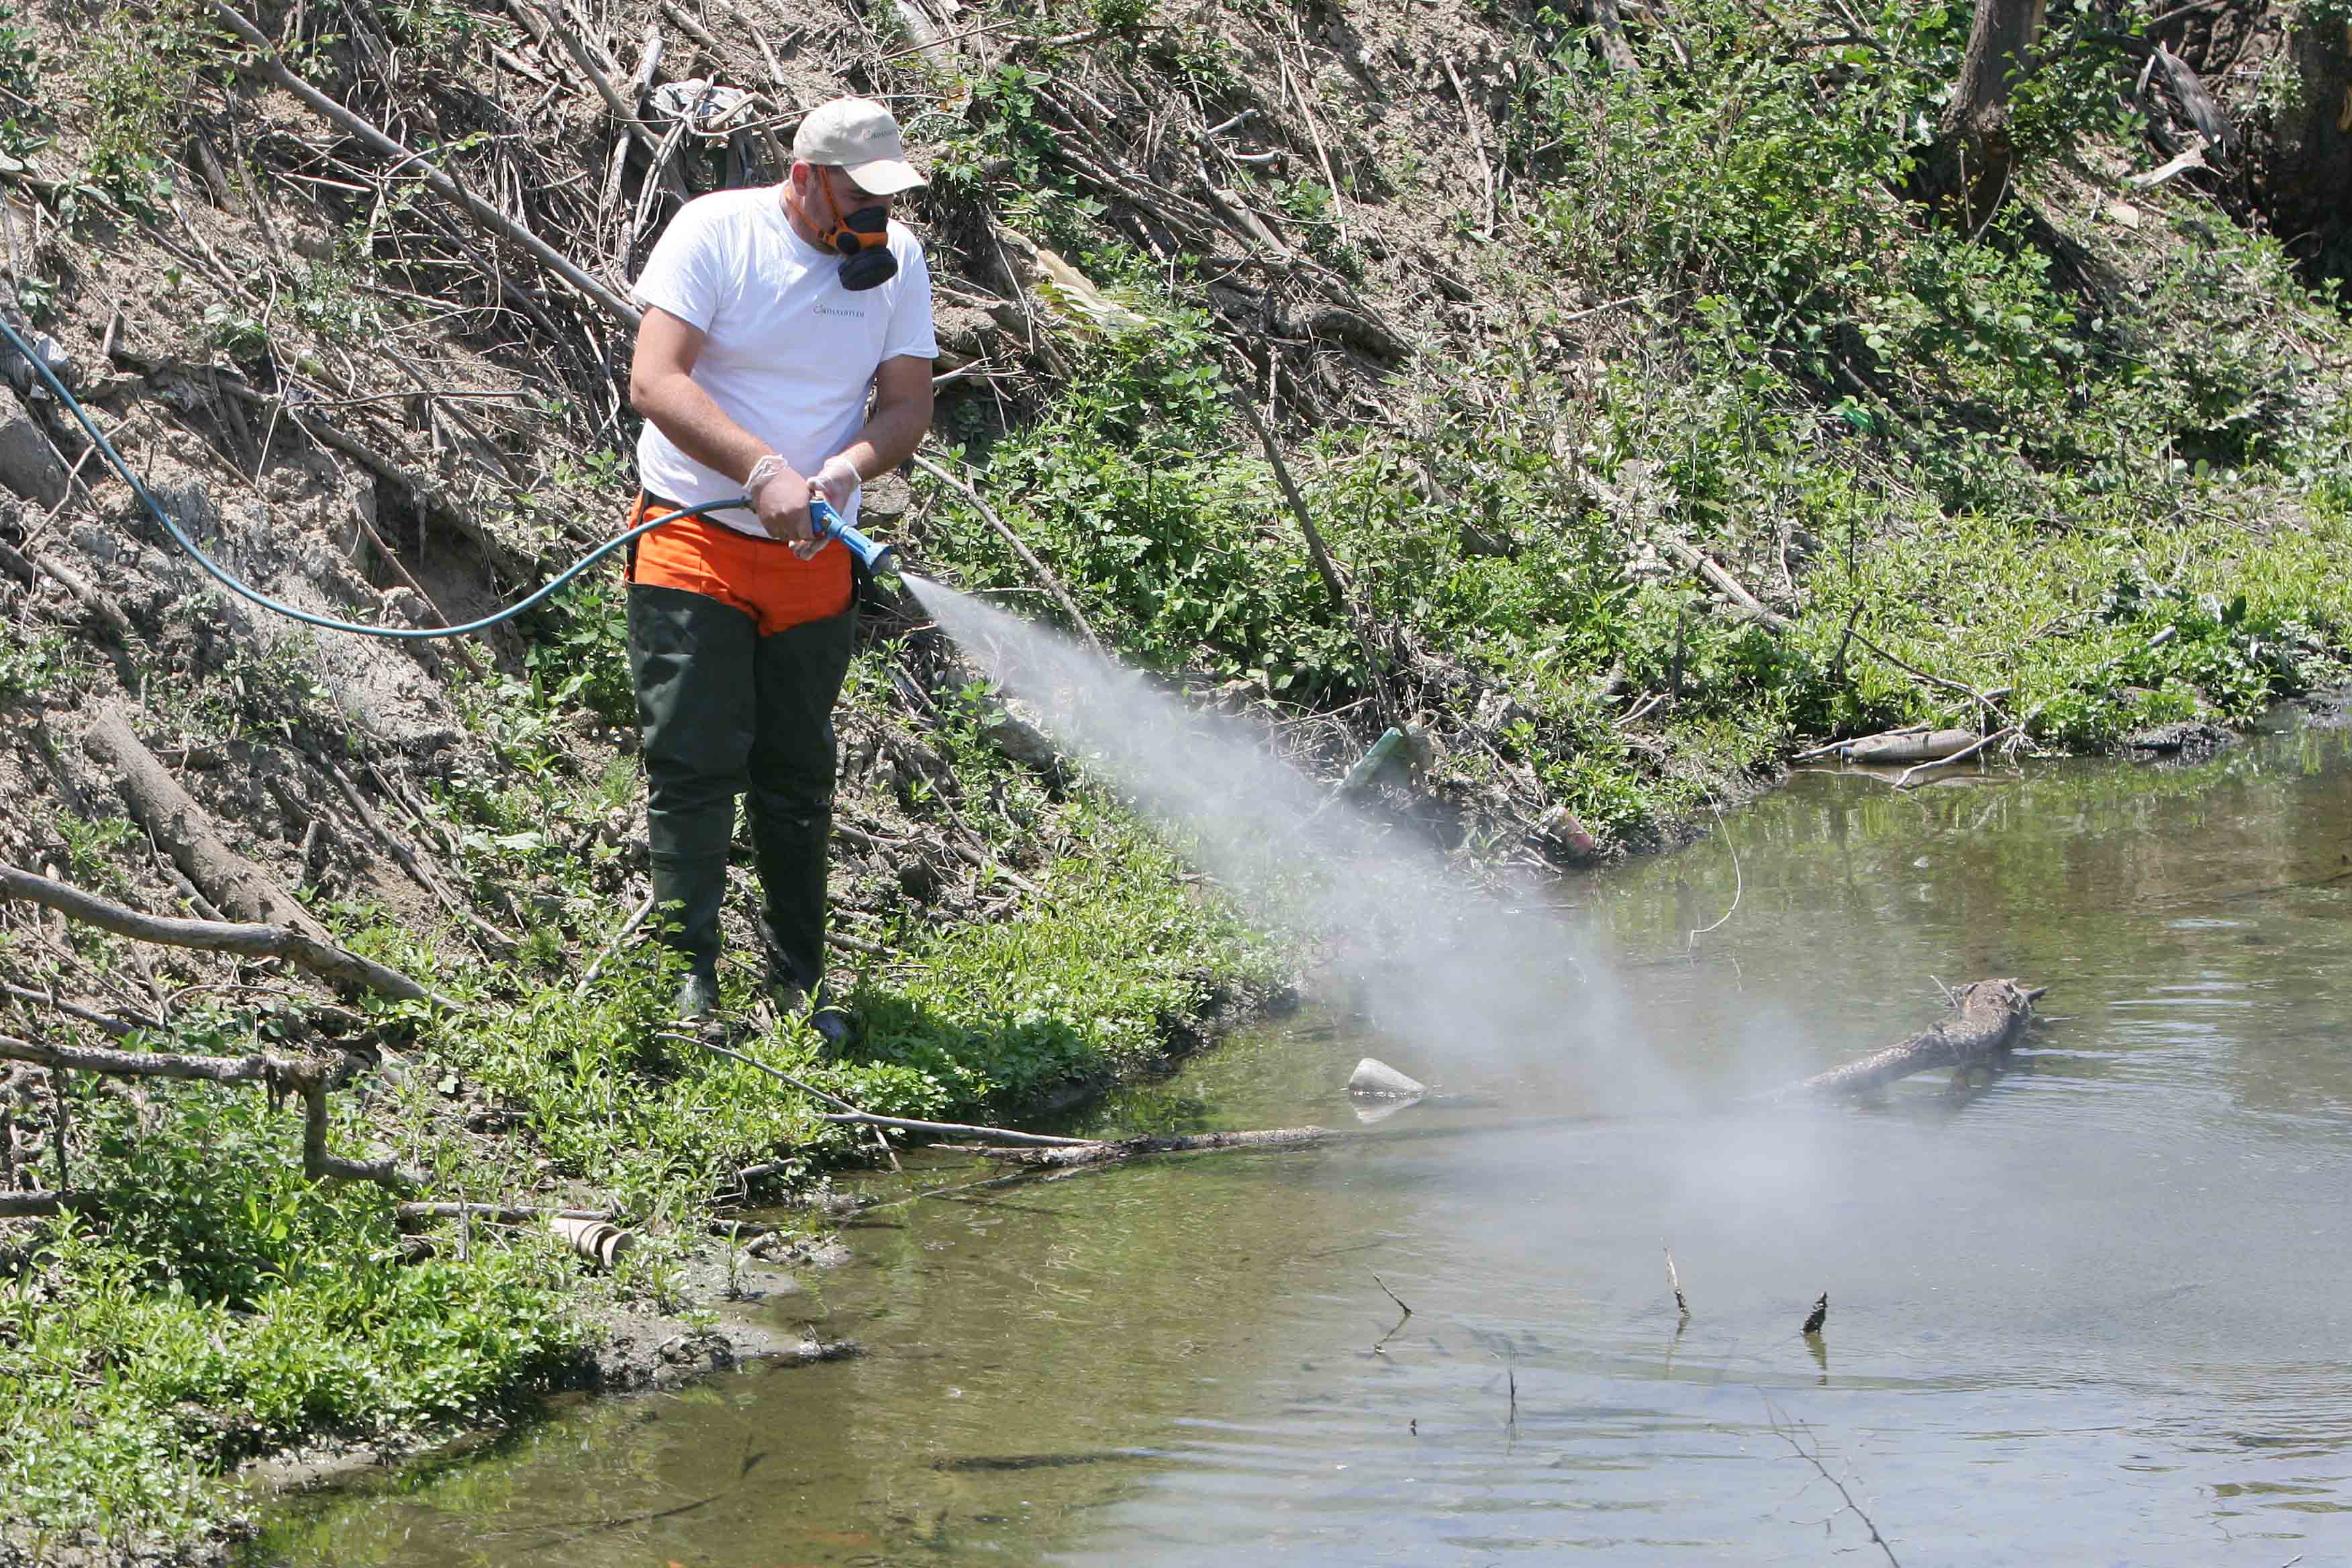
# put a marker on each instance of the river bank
(1429, 370)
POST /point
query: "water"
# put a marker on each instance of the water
(2096, 1313)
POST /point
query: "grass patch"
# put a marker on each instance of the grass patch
(228, 1307)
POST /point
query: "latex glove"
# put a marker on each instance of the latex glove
(780, 500)
(837, 482)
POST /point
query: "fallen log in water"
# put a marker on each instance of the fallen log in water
(1110, 1149)
(1915, 746)
(1988, 1016)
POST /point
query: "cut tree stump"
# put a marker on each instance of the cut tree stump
(1988, 1018)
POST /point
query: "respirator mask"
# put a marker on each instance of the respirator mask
(863, 240)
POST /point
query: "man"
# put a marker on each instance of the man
(770, 314)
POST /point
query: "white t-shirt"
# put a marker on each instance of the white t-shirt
(790, 355)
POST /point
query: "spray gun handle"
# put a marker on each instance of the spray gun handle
(880, 559)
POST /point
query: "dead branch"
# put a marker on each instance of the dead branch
(184, 830)
(1075, 1151)
(1391, 715)
(845, 1113)
(322, 958)
(264, 61)
(259, 1067)
(1984, 699)
(118, 1027)
(1989, 1018)
(637, 918)
(318, 1163)
(500, 1214)
(1037, 569)
(307, 1076)
(1298, 86)
(91, 599)
(1707, 567)
(40, 1204)
(1812, 1456)
(625, 114)
(1479, 146)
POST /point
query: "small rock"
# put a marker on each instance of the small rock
(2189, 736)
(27, 467)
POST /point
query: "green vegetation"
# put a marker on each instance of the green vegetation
(141, 74)
(228, 1306)
(2035, 472)
(2102, 488)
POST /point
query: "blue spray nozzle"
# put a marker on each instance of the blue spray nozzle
(880, 559)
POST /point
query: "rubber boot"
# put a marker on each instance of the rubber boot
(692, 658)
(689, 886)
(792, 764)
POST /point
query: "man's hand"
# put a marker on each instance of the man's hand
(781, 501)
(839, 481)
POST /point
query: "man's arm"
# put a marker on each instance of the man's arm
(662, 388)
(901, 417)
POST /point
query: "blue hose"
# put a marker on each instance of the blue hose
(828, 524)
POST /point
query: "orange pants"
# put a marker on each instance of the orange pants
(759, 577)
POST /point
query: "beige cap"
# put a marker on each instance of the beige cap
(859, 137)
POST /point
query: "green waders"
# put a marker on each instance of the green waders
(726, 711)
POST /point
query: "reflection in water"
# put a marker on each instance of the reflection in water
(2093, 1309)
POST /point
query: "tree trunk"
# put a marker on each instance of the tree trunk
(1987, 1018)
(1964, 173)
(2308, 181)
(185, 831)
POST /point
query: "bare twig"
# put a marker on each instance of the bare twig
(1038, 569)
(245, 940)
(1812, 1456)
(1477, 145)
(1706, 566)
(1982, 698)
(1738, 883)
(1391, 715)
(637, 919)
(117, 1027)
(1298, 86)
(844, 1113)
(1675, 1280)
